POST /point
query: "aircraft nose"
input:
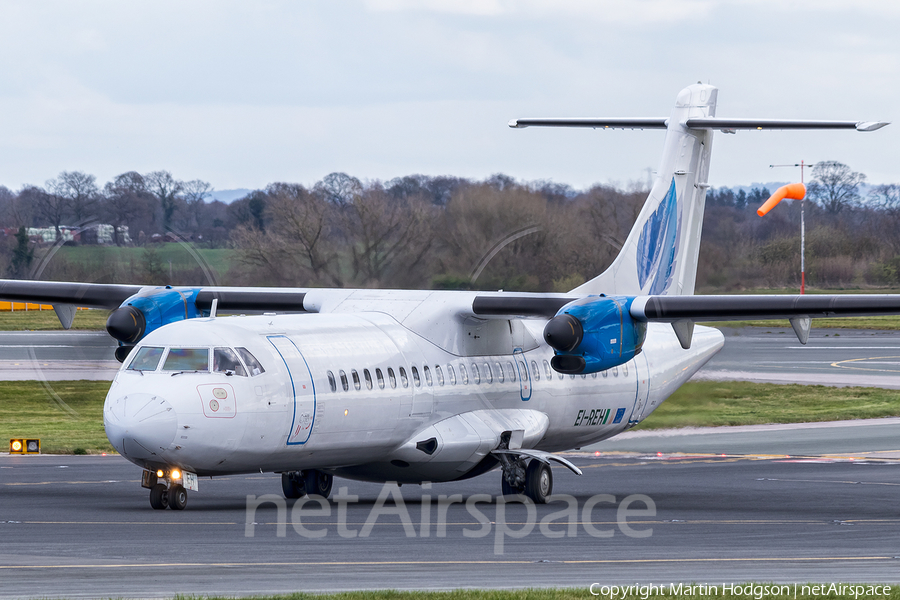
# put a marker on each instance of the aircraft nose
(140, 426)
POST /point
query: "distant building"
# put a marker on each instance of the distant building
(104, 234)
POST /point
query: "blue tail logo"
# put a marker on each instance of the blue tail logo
(658, 245)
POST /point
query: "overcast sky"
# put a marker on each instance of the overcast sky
(242, 94)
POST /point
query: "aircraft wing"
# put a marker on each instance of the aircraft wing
(90, 295)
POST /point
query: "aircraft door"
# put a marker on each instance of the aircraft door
(642, 393)
(300, 389)
(524, 374)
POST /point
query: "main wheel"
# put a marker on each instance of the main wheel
(292, 484)
(159, 497)
(177, 497)
(506, 489)
(538, 481)
(318, 483)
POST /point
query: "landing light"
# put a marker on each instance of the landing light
(160, 473)
(24, 446)
(176, 474)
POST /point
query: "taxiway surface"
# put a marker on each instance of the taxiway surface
(82, 527)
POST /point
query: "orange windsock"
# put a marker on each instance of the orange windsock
(792, 191)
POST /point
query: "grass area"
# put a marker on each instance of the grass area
(46, 320)
(716, 403)
(30, 409)
(218, 259)
(66, 415)
(886, 323)
(756, 591)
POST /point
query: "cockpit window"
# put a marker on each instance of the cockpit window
(253, 365)
(187, 359)
(146, 359)
(226, 361)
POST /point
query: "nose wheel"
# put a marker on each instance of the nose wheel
(174, 497)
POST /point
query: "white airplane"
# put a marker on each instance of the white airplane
(429, 386)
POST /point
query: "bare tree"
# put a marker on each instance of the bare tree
(339, 188)
(167, 190)
(52, 208)
(195, 193)
(80, 191)
(126, 199)
(834, 186)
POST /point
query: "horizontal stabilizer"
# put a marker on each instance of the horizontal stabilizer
(612, 123)
(730, 125)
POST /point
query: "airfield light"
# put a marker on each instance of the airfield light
(24, 446)
(176, 474)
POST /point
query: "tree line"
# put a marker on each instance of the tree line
(456, 233)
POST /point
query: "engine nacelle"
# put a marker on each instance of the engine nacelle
(594, 334)
(149, 310)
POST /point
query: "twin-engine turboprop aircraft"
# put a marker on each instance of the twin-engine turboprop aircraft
(437, 386)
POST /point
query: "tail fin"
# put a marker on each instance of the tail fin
(660, 255)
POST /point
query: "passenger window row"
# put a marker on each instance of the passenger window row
(483, 372)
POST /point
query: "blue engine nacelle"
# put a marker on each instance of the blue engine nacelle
(594, 334)
(149, 310)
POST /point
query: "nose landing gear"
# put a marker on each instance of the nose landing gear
(165, 491)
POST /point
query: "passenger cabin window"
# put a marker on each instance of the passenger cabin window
(510, 371)
(415, 374)
(615, 371)
(499, 373)
(463, 375)
(368, 377)
(404, 380)
(380, 377)
(476, 375)
(439, 373)
(392, 378)
(226, 361)
(253, 365)
(355, 376)
(451, 374)
(625, 370)
(146, 359)
(594, 375)
(523, 371)
(605, 374)
(187, 359)
(488, 376)
(331, 382)
(344, 384)
(536, 373)
(427, 373)
(547, 370)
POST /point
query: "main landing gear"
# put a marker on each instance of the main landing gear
(165, 490)
(534, 480)
(296, 484)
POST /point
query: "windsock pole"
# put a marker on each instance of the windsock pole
(772, 201)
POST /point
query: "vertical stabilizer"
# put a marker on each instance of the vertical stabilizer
(660, 255)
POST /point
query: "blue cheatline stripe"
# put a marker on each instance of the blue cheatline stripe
(294, 389)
